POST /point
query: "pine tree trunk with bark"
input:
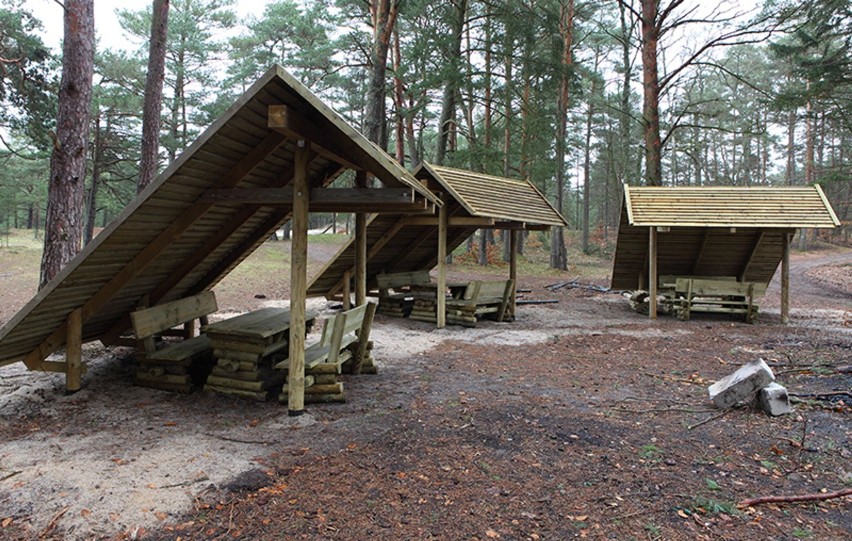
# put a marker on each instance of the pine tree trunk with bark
(558, 251)
(383, 14)
(64, 226)
(149, 161)
(651, 94)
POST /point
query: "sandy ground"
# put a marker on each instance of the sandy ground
(114, 459)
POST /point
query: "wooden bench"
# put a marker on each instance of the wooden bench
(344, 347)
(481, 298)
(395, 291)
(171, 365)
(717, 296)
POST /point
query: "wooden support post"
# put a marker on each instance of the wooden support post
(347, 290)
(74, 352)
(785, 278)
(513, 267)
(298, 281)
(441, 305)
(652, 272)
(360, 247)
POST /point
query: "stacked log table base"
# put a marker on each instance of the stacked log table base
(175, 368)
(323, 382)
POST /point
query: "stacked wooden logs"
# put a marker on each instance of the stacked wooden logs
(392, 305)
(244, 367)
(461, 313)
(166, 374)
(425, 309)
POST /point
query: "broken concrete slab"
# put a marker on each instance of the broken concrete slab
(739, 386)
(773, 400)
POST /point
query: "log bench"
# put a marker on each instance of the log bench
(396, 291)
(717, 296)
(481, 298)
(344, 347)
(171, 365)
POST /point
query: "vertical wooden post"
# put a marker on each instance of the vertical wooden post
(441, 305)
(298, 281)
(347, 290)
(652, 272)
(785, 278)
(513, 267)
(74, 352)
(360, 247)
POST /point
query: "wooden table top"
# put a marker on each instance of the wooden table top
(261, 323)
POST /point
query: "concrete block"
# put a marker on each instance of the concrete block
(773, 400)
(734, 388)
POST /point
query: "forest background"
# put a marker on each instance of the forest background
(577, 97)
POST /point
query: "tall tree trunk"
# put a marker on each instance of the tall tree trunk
(651, 94)
(587, 153)
(448, 103)
(399, 102)
(558, 251)
(384, 14)
(483, 237)
(92, 196)
(624, 114)
(507, 115)
(64, 229)
(790, 171)
(149, 161)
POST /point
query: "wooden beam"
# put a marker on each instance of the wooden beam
(704, 241)
(356, 197)
(754, 248)
(290, 122)
(74, 352)
(162, 241)
(441, 306)
(298, 282)
(521, 226)
(361, 246)
(785, 278)
(652, 272)
(513, 266)
(454, 221)
(347, 292)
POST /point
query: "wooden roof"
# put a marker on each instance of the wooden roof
(723, 231)
(400, 243)
(494, 197)
(727, 206)
(209, 210)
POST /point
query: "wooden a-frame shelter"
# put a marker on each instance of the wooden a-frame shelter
(270, 158)
(722, 231)
(398, 242)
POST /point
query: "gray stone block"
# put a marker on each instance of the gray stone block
(734, 388)
(773, 400)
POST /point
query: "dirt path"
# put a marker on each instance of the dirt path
(572, 421)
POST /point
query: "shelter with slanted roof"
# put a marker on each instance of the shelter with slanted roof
(713, 232)
(270, 158)
(405, 243)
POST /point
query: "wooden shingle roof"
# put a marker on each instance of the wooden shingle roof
(187, 230)
(399, 243)
(727, 206)
(719, 231)
(495, 197)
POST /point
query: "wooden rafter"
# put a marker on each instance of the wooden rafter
(701, 249)
(754, 249)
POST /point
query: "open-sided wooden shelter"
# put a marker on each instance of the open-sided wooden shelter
(406, 243)
(713, 232)
(271, 157)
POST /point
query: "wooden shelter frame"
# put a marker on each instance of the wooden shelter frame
(760, 221)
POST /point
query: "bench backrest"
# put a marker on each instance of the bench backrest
(720, 287)
(669, 280)
(494, 289)
(357, 320)
(154, 320)
(402, 279)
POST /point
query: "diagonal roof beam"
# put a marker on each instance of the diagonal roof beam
(156, 246)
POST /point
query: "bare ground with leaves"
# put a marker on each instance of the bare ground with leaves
(581, 419)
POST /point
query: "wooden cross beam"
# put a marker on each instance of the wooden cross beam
(361, 200)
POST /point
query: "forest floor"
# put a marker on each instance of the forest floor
(579, 419)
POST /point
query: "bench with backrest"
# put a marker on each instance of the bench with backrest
(396, 293)
(717, 296)
(171, 364)
(343, 347)
(489, 298)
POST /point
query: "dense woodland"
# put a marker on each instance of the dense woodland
(576, 96)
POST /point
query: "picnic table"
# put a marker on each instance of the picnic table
(246, 347)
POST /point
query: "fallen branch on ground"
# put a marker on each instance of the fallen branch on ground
(711, 418)
(796, 498)
(820, 396)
